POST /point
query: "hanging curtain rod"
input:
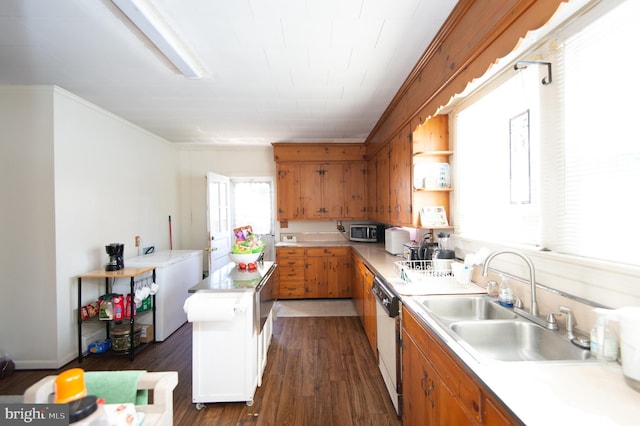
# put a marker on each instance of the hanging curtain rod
(520, 65)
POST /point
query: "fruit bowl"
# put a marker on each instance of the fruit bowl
(244, 257)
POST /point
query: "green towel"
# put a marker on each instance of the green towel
(116, 387)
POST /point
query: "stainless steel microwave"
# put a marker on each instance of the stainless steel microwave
(366, 233)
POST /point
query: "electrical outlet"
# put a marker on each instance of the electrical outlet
(137, 240)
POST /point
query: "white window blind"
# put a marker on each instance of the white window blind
(585, 147)
(601, 141)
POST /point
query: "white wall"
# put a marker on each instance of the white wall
(80, 178)
(28, 327)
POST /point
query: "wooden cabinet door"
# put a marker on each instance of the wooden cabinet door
(315, 277)
(448, 409)
(382, 185)
(333, 190)
(355, 175)
(322, 190)
(400, 185)
(338, 277)
(370, 317)
(327, 272)
(419, 393)
(371, 189)
(357, 287)
(494, 415)
(288, 191)
(310, 194)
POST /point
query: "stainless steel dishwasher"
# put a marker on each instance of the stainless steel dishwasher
(388, 330)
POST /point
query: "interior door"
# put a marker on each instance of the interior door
(218, 221)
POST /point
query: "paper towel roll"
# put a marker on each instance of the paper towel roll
(205, 308)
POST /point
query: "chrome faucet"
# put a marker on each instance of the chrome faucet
(532, 275)
(571, 321)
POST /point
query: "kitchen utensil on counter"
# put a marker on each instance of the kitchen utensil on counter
(411, 250)
(604, 340)
(427, 247)
(394, 240)
(629, 319)
(443, 256)
(116, 257)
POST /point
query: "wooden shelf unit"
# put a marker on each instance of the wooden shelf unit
(127, 272)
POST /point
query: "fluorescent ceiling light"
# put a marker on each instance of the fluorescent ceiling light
(144, 16)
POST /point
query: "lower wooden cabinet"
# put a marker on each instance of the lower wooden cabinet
(365, 301)
(291, 266)
(327, 273)
(314, 273)
(437, 389)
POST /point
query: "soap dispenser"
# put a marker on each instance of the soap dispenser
(505, 295)
(604, 340)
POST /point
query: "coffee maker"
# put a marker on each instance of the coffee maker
(116, 257)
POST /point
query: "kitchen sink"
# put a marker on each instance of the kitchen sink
(465, 308)
(517, 340)
(492, 332)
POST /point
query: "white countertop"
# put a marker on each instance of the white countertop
(161, 258)
(539, 393)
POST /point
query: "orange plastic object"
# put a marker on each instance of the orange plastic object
(69, 386)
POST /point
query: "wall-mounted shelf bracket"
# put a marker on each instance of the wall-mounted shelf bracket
(520, 65)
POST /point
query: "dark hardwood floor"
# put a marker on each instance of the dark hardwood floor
(320, 371)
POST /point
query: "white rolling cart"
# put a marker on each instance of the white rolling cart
(225, 347)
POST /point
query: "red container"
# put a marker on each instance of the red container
(118, 307)
(129, 305)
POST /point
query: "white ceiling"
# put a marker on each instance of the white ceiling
(275, 70)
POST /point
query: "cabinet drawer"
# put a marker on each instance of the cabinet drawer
(328, 251)
(291, 290)
(291, 262)
(418, 333)
(291, 273)
(290, 251)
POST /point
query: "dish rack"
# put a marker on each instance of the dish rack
(418, 271)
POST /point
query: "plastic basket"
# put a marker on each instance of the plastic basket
(418, 271)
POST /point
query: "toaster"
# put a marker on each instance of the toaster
(394, 239)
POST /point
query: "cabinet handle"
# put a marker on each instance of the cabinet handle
(425, 376)
(432, 387)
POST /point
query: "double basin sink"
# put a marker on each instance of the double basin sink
(490, 331)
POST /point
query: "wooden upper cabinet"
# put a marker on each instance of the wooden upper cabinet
(322, 190)
(321, 181)
(288, 191)
(383, 207)
(400, 189)
(371, 188)
(311, 206)
(333, 190)
(355, 185)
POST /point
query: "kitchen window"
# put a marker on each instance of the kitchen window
(583, 141)
(253, 204)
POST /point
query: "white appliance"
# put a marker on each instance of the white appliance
(394, 239)
(388, 336)
(225, 347)
(176, 272)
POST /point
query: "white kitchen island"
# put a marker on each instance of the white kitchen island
(231, 313)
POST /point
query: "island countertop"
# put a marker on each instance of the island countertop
(231, 278)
